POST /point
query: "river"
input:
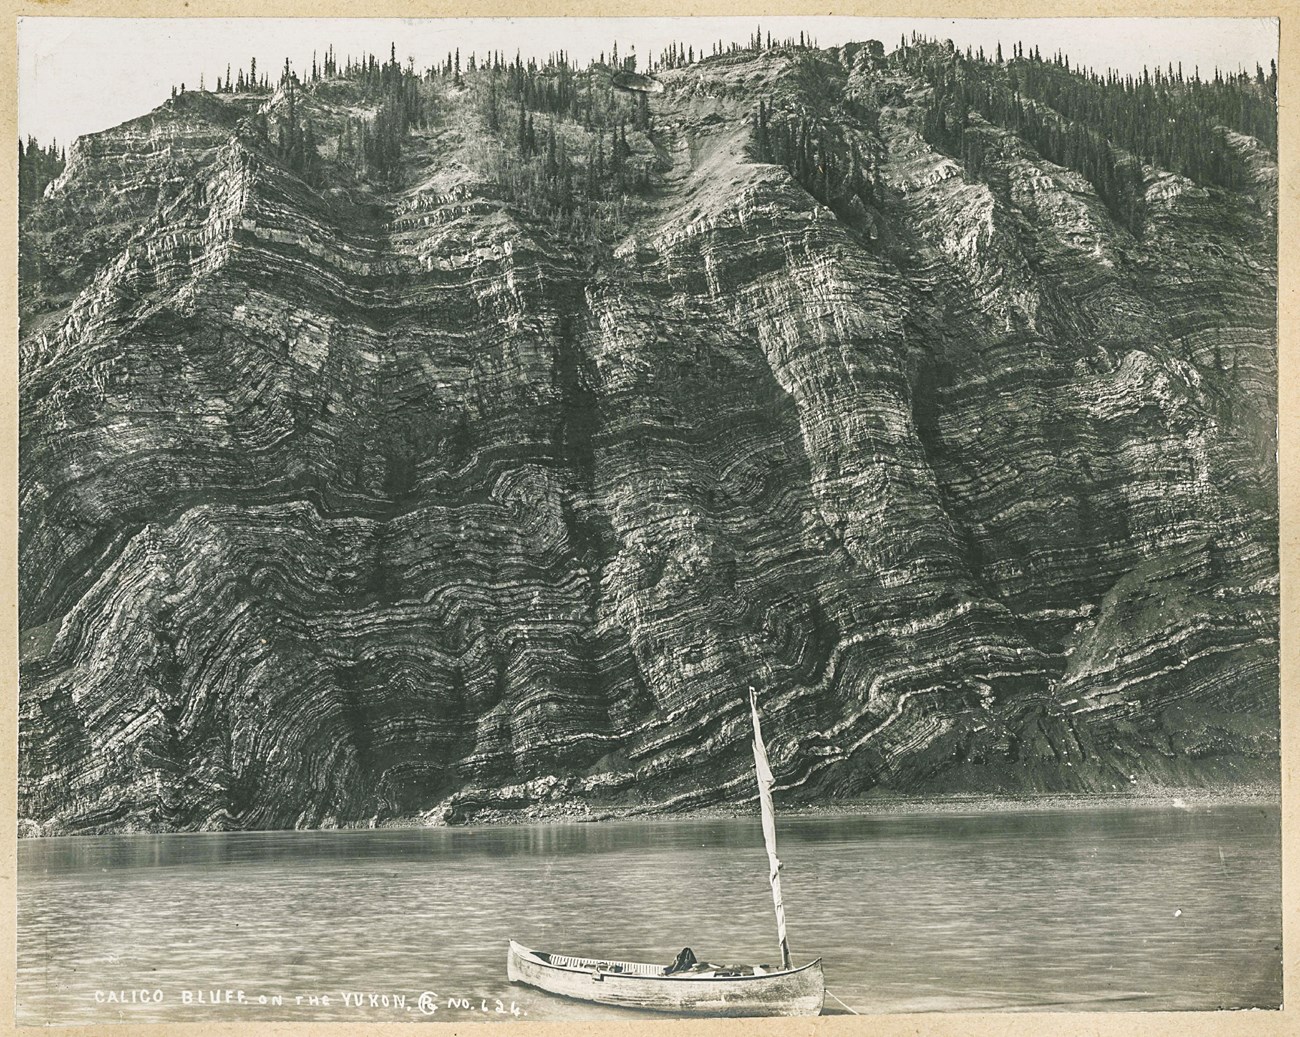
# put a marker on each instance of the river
(1115, 907)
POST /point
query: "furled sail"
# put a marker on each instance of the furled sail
(765, 782)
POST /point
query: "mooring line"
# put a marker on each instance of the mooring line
(855, 1012)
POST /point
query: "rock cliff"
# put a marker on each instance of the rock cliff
(346, 501)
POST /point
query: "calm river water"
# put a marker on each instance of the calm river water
(1114, 907)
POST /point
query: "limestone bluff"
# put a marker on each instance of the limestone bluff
(351, 499)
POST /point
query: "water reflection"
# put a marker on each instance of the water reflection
(1097, 909)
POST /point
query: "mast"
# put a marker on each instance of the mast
(763, 771)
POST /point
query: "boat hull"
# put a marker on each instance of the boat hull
(793, 992)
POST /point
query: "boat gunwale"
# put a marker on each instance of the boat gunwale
(532, 956)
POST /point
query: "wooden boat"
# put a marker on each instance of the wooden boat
(630, 984)
(689, 988)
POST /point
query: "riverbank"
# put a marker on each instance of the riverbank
(880, 803)
(873, 803)
(962, 803)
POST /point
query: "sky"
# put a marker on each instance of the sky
(81, 75)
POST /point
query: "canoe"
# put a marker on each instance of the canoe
(692, 988)
(630, 984)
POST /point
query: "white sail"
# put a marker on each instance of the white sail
(765, 782)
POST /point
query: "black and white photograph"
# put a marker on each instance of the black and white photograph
(605, 520)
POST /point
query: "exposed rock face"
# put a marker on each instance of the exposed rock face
(341, 506)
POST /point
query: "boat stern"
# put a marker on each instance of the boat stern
(516, 956)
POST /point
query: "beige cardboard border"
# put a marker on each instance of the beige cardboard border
(1173, 1024)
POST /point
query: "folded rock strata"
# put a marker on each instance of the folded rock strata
(345, 506)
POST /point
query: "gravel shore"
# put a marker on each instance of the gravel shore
(964, 803)
(893, 803)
